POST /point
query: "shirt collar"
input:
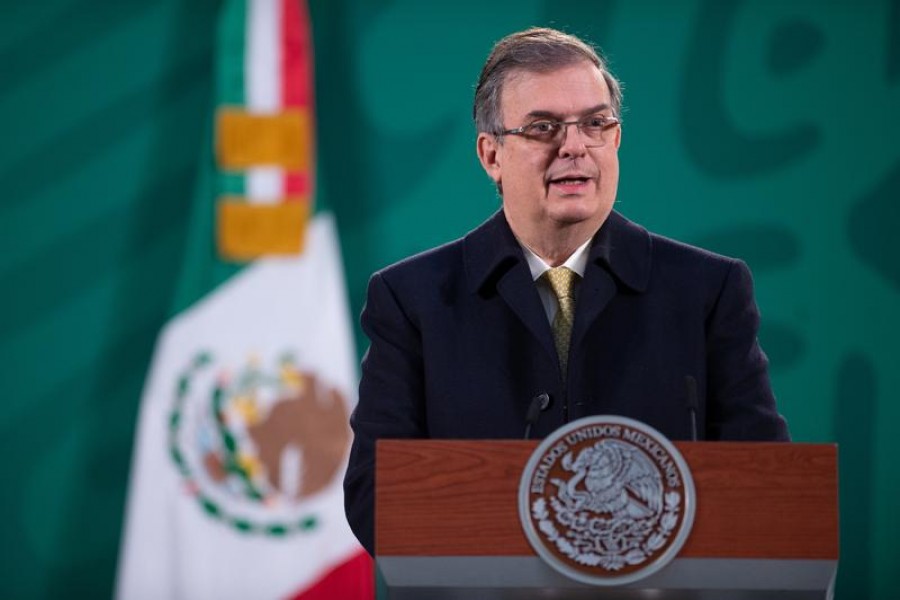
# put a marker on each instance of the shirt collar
(576, 262)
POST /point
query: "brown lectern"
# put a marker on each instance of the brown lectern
(447, 524)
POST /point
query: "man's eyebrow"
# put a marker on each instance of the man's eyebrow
(546, 114)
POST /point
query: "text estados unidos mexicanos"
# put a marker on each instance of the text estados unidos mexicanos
(659, 454)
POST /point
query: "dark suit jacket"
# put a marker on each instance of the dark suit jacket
(460, 344)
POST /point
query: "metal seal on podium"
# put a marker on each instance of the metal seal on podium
(607, 500)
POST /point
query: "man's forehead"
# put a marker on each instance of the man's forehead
(550, 90)
(524, 74)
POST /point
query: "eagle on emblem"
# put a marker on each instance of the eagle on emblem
(614, 479)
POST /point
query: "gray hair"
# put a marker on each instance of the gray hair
(540, 50)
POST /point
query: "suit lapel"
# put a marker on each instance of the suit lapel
(620, 256)
(597, 289)
(494, 260)
(518, 291)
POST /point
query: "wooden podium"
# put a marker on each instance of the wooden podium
(447, 524)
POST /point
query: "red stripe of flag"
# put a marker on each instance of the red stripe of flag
(352, 580)
(297, 83)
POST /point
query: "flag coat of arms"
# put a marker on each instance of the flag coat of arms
(243, 430)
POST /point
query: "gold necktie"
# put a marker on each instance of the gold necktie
(562, 282)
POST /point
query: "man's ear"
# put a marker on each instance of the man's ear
(487, 147)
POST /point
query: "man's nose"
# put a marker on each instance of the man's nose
(572, 143)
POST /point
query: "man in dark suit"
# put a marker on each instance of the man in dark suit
(556, 296)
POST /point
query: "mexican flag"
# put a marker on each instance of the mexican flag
(243, 436)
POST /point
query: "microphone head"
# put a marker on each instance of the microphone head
(538, 404)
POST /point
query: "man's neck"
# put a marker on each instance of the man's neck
(555, 247)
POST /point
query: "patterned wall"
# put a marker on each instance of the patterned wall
(765, 130)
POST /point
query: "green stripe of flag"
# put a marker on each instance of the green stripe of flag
(230, 88)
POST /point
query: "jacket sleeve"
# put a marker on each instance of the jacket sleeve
(740, 402)
(391, 400)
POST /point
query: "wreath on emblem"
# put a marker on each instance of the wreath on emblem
(612, 511)
(235, 444)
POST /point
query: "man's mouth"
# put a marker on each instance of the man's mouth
(570, 183)
(569, 180)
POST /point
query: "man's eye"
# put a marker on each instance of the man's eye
(543, 127)
(598, 122)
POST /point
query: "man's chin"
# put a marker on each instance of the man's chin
(572, 211)
(567, 214)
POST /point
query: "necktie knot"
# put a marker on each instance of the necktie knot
(562, 281)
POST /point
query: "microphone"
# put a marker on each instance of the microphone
(538, 404)
(693, 404)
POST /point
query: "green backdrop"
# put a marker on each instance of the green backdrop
(764, 130)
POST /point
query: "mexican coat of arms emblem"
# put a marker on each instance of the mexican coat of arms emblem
(607, 500)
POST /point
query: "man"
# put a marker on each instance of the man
(555, 297)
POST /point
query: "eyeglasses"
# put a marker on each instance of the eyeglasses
(595, 128)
